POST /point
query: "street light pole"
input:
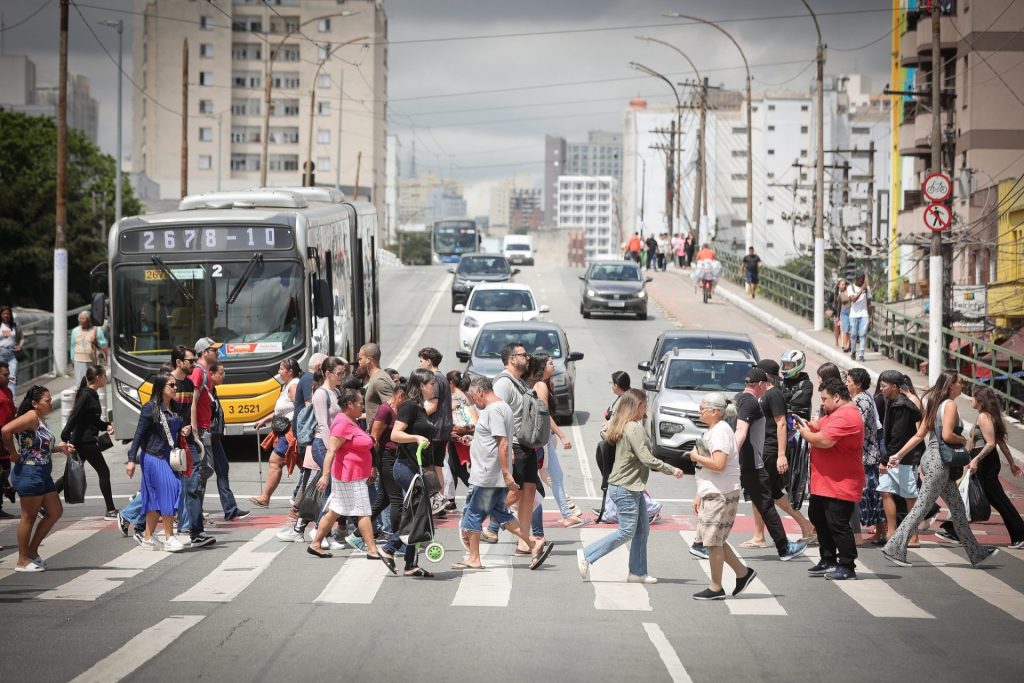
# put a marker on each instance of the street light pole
(749, 236)
(675, 130)
(307, 177)
(935, 265)
(119, 25)
(819, 184)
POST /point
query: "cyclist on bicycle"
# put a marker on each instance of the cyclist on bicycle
(707, 267)
(796, 385)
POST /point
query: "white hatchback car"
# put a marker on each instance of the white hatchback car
(497, 302)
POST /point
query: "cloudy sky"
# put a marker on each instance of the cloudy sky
(478, 83)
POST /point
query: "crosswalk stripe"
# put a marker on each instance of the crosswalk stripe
(138, 650)
(676, 670)
(54, 544)
(757, 600)
(875, 595)
(608, 577)
(356, 583)
(977, 581)
(234, 574)
(113, 574)
(488, 587)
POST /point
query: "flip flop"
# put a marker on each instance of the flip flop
(813, 538)
(389, 562)
(419, 573)
(539, 559)
(751, 544)
(462, 566)
(258, 503)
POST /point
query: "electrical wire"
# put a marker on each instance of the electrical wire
(26, 19)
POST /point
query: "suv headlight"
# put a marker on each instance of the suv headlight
(471, 322)
(669, 429)
(559, 380)
(460, 285)
(641, 294)
(591, 292)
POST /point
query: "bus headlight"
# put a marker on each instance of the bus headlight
(128, 392)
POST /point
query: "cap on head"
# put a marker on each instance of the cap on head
(206, 343)
(715, 399)
(755, 375)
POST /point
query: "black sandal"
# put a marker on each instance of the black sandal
(419, 573)
(389, 562)
(323, 555)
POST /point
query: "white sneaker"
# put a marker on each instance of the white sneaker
(289, 535)
(331, 543)
(173, 545)
(582, 565)
(633, 578)
(309, 533)
(152, 543)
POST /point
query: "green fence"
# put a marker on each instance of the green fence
(38, 347)
(902, 337)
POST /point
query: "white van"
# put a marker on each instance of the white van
(518, 249)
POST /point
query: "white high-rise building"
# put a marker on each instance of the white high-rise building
(589, 203)
(333, 48)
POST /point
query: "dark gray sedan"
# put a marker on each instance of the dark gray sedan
(614, 287)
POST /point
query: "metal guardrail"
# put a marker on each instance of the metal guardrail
(38, 345)
(904, 338)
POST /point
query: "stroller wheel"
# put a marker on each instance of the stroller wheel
(434, 552)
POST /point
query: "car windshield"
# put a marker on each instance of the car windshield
(501, 300)
(152, 316)
(706, 375)
(617, 273)
(517, 247)
(490, 342)
(483, 265)
(716, 343)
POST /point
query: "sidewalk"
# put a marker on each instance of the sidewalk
(675, 302)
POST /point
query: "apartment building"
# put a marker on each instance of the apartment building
(428, 197)
(599, 155)
(19, 92)
(590, 204)
(328, 92)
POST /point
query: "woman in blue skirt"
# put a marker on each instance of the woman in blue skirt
(159, 426)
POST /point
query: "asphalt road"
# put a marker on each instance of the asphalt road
(252, 608)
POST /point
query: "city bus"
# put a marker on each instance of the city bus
(270, 273)
(451, 239)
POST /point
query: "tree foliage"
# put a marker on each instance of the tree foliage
(28, 198)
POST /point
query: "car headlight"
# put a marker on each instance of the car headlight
(669, 429)
(128, 392)
(559, 380)
(461, 285)
(591, 292)
(641, 294)
(470, 322)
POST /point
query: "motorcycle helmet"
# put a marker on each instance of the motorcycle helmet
(793, 363)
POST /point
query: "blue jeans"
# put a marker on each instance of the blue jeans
(133, 510)
(403, 472)
(633, 527)
(483, 502)
(220, 467)
(536, 521)
(557, 480)
(858, 334)
(319, 453)
(190, 515)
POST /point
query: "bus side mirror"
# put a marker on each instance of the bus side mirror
(322, 299)
(97, 308)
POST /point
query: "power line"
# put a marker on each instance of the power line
(26, 19)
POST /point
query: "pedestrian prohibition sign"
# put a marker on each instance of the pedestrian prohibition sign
(937, 217)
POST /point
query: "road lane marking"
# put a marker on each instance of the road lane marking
(977, 581)
(139, 650)
(489, 587)
(113, 574)
(413, 339)
(676, 670)
(356, 583)
(581, 454)
(54, 544)
(877, 597)
(235, 573)
(608, 577)
(755, 601)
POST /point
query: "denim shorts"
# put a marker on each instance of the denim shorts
(484, 502)
(900, 481)
(32, 480)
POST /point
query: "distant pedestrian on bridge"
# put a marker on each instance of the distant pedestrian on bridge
(749, 267)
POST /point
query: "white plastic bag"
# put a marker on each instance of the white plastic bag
(965, 486)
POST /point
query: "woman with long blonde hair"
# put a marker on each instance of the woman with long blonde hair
(626, 484)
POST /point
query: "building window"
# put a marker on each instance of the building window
(771, 107)
(771, 128)
(323, 136)
(739, 130)
(206, 134)
(803, 129)
(323, 25)
(739, 200)
(803, 153)
(206, 49)
(323, 163)
(771, 221)
(323, 81)
(205, 106)
(803, 107)
(771, 198)
(205, 23)
(771, 152)
(861, 130)
(323, 51)
(323, 108)
(205, 78)
(739, 153)
(205, 162)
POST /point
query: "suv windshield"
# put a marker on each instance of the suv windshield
(706, 375)
(152, 316)
(716, 343)
(501, 300)
(483, 265)
(617, 273)
(490, 342)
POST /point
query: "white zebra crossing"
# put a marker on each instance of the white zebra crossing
(878, 598)
(113, 574)
(491, 586)
(608, 577)
(56, 543)
(757, 600)
(977, 581)
(235, 573)
(138, 650)
(356, 583)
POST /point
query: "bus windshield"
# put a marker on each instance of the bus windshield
(153, 314)
(454, 238)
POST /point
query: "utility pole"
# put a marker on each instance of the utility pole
(702, 227)
(671, 177)
(341, 103)
(307, 177)
(220, 147)
(871, 231)
(184, 118)
(60, 254)
(935, 265)
(643, 187)
(699, 177)
(355, 187)
(819, 182)
(842, 226)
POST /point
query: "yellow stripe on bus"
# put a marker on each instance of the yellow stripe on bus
(242, 402)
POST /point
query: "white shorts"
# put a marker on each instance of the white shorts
(350, 498)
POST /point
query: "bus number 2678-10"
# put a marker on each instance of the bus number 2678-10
(244, 409)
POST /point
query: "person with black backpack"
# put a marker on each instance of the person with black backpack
(84, 427)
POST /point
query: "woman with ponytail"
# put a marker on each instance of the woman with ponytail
(83, 429)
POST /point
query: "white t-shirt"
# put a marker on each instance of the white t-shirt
(858, 308)
(720, 438)
(494, 421)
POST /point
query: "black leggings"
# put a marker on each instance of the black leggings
(388, 490)
(988, 475)
(92, 454)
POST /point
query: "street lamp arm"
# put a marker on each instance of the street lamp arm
(814, 16)
(673, 47)
(651, 72)
(677, 15)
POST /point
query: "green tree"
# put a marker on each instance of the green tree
(28, 198)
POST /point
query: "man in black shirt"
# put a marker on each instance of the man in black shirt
(750, 430)
(748, 269)
(773, 405)
(899, 424)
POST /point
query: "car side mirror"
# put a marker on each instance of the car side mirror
(452, 271)
(544, 309)
(515, 271)
(462, 356)
(459, 308)
(96, 308)
(322, 299)
(648, 279)
(650, 385)
(575, 355)
(645, 366)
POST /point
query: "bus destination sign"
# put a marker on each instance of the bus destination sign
(166, 240)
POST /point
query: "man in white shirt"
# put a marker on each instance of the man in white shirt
(859, 315)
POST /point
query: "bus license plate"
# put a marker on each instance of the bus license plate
(616, 304)
(242, 411)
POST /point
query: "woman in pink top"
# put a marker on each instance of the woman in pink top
(349, 459)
